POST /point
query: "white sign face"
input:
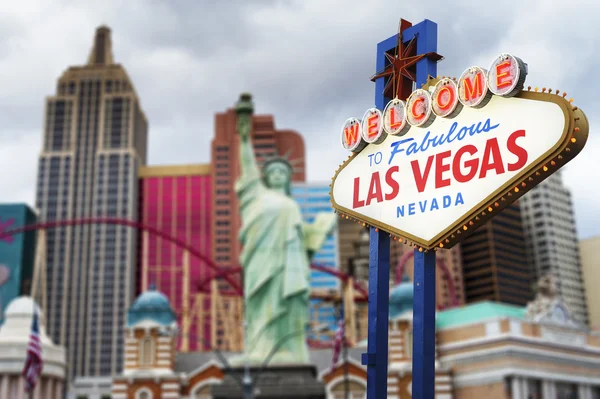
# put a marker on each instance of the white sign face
(425, 182)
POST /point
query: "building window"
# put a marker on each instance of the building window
(143, 393)
(146, 352)
(408, 343)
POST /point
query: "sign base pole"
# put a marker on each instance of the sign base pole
(376, 358)
(423, 359)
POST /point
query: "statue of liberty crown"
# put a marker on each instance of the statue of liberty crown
(285, 159)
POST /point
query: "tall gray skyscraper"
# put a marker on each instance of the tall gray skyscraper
(94, 142)
(552, 244)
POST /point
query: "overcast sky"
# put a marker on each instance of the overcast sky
(308, 62)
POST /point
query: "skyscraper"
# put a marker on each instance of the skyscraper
(17, 254)
(590, 265)
(552, 244)
(177, 200)
(495, 265)
(94, 143)
(267, 142)
(313, 198)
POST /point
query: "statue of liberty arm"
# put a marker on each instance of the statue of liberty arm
(276, 253)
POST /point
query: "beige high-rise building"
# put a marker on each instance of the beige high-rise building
(590, 267)
(94, 142)
(551, 236)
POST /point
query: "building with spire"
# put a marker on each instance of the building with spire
(94, 142)
(151, 368)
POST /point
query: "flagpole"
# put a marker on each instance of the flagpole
(30, 393)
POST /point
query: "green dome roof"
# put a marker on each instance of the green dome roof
(151, 305)
(401, 298)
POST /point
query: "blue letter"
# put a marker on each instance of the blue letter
(400, 211)
(411, 208)
(412, 148)
(459, 199)
(452, 129)
(487, 127)
(380, 157)
(434, 204)
(396, 148)
(447, 201)
(370, 159)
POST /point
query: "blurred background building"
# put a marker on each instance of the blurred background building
(94, 143)
(313, 198)
(17, 254)
(551, 236)
(495, 263)
(177, 200)
(590, 265)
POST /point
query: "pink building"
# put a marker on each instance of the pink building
(177, 200)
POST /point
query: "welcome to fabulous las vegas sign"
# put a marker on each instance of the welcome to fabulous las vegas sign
(431, 169)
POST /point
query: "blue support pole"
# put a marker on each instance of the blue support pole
(376, 358)
(423, 359)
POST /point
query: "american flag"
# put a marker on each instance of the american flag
(34, 362)
(339, 339)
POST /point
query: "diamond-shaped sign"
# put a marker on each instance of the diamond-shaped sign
(432, 184)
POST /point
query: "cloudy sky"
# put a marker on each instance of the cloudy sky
(308, 62)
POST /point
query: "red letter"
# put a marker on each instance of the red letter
(440, 168)
(472, 164)
(351, 134)
(414, 106)
(491, 150)
(447, 104)
(421, 178)
(516, 149)
(372, 127)
(356, 202)
(473, 90)
(502, 71)
(374, 189)
(393, 122)
(395, 186)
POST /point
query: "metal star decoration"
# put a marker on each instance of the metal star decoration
(400, 71)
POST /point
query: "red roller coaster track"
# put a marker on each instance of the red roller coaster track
(219, 271)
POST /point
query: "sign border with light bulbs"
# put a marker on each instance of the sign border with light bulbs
(468, 100)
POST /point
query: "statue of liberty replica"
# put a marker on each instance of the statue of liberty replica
(277, 248)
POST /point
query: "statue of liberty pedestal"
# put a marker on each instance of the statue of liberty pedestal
(276, 255)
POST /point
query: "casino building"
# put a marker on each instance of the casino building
(486, 349)
(493, 350)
